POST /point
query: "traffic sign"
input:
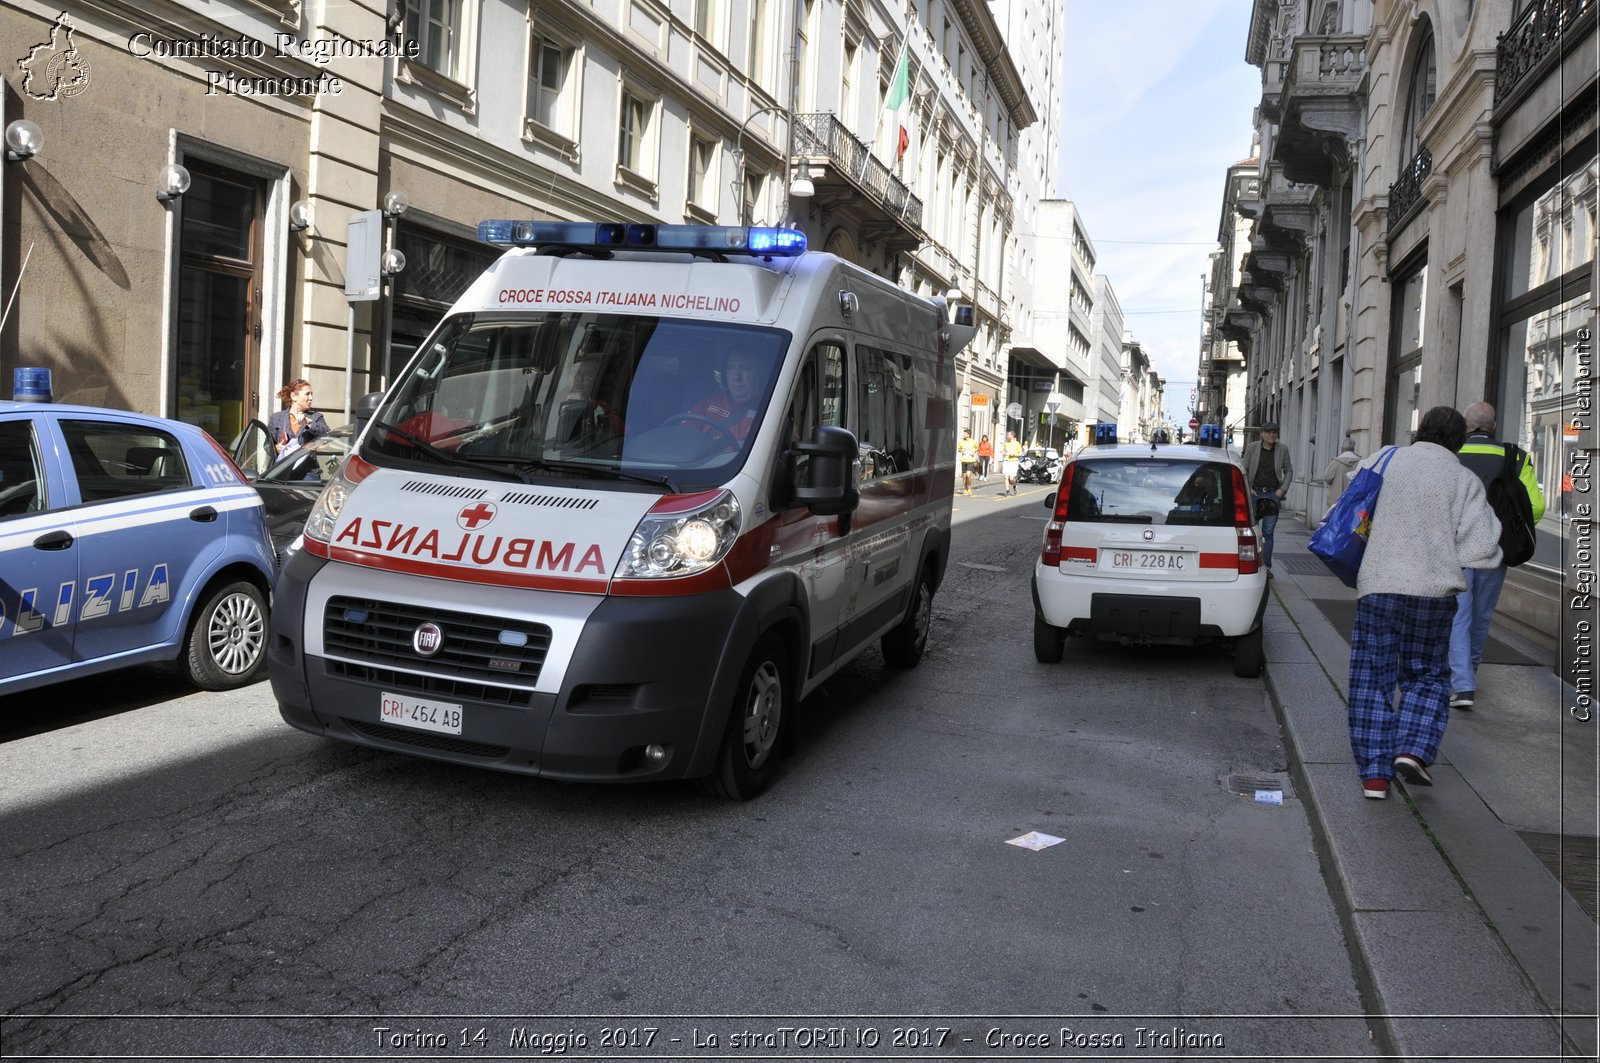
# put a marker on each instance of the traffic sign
(1052, 407)
(1014, 410)
(1194, 422)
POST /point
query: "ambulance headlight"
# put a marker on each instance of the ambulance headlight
(325, 513)
(681, 536)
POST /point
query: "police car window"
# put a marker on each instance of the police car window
(21, 472)
(122, 461)
(1154, 491)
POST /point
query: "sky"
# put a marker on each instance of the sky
(1156, 105)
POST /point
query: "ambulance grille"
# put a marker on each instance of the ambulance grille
(554, 501)
(443, 490)
(473, 646)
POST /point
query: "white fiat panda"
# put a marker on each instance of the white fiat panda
(1151, 543)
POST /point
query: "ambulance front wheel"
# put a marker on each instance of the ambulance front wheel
(749, 753)
(227, 642)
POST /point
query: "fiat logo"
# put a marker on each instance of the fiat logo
(427, 639)
(1148, 535)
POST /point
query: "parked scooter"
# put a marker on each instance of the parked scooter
(1040, 467)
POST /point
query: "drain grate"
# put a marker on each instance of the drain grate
(1572, 859)
(1247, 783)
(1301, 565)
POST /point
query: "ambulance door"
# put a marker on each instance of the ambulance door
(882, 525)
(38, 562)
(811, 545)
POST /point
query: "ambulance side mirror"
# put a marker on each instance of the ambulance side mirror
(824, 473)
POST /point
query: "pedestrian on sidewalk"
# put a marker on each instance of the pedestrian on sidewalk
(1012, 466)
(1341, 467)
(1432, 520)
(1475, 606)
(985, 455)
(1268, 471)
(967, 451)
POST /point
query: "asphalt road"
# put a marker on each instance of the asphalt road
(252, 890)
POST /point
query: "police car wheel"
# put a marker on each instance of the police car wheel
(228, 638)
(904, 645)
(749, 752)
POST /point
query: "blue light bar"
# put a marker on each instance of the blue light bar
(1105, 432)
(755, 240)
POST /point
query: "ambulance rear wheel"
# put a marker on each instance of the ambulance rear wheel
(904, 645)
(227, 643)
(750, 743)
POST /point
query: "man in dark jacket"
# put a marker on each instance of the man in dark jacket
(1475, 605)
(1267, 472)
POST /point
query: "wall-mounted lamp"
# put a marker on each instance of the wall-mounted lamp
(299, 216)
(23, 140)
(395, 204)
(393, 261)
(174, 182)
(801, 187)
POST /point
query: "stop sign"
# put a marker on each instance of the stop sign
(1194, 423)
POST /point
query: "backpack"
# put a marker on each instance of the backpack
(1509, 500)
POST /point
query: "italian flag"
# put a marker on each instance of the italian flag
(898, 103)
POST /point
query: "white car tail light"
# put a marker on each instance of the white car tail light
(1244, 523)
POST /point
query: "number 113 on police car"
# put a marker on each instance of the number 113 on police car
(426, 716)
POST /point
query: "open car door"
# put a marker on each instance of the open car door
(253, 450)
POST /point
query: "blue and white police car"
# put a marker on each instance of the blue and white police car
(126, 539)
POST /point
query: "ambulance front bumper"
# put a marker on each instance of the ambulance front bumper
(619, 674)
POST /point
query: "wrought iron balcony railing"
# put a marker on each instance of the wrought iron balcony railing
(824, 134)
(1537, 33)
(1405, 195)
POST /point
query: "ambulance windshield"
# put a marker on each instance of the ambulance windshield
(670, 401)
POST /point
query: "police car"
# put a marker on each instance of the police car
(126, 539)
(1151, 543)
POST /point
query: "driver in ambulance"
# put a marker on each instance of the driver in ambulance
(733, 406)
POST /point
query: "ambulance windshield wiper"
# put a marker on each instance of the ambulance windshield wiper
(608, 471)
(447, 458)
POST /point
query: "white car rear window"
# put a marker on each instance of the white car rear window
(1152, 491)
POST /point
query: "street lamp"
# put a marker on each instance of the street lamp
(800, 187)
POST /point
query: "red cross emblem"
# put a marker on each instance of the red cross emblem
(472, 516)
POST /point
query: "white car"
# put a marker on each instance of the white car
(1151, 543)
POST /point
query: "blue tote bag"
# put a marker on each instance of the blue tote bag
(1342, 539)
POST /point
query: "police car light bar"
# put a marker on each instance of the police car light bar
(1105, 432)
(753, 240)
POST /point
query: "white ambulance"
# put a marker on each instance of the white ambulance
(643, 489)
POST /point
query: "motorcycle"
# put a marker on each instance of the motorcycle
(1039, 467)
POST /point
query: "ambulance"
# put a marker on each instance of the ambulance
(643, 489)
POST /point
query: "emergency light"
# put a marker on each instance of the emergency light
(1105, 432)
(1210, 435)
(606, 235)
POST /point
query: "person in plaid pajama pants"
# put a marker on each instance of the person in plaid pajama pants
(1432, 520)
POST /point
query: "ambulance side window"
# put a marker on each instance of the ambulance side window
(21, 470)
(818, 399)
(885, 429)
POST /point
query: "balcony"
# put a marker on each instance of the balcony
(1405, 195)
(854, 184)
(1545, 28)
(1320, 106)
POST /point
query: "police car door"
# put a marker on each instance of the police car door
(37, 555)
(144, 529)
(809, 544)
(879, 416)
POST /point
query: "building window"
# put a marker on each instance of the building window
(754, 185)
(1405, 359)
(847, 90)
(1548, 239)
(758, 41)
(702, 179)
(1419, 98)
(633, 148)
(705, 14)
(436, 27)
(549, 85)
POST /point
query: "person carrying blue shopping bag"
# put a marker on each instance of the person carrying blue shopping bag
(1431, 521)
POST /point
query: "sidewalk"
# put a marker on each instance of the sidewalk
(1466, 943)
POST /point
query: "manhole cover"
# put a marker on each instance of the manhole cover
(1246, 784)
